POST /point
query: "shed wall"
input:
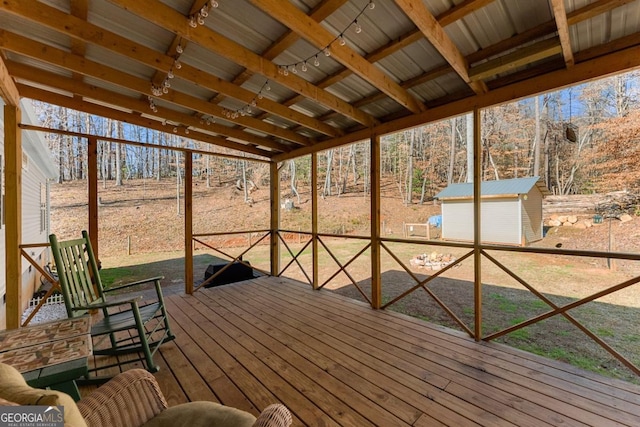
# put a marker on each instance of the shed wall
(532, 216)
(500, 220)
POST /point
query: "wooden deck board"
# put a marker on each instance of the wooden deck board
(335, 362)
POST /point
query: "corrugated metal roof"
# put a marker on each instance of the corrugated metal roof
(493, 188)
(248, 25)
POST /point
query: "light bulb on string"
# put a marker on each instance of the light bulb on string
(214, 4)
(179, 48)
(326, 50)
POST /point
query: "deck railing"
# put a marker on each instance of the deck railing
(55, 285)
(306, 240)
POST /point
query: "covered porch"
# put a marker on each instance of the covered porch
(334, 361)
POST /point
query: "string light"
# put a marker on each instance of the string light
(247, 109)
(285, 69)
(198, 18)
(163, 87)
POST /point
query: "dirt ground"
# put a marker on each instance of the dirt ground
(146, 216)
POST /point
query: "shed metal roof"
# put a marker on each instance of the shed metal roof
(503, 187)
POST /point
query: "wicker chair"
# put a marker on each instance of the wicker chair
(133, 399)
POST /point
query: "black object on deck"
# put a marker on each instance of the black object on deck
(236, 272)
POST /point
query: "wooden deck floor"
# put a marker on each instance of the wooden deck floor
(336, 362)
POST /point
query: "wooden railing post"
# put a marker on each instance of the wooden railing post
(275, 217)
(13, 215)
(188, 223)
(92, 190)
(477, 225)
(376, 275)
(314, 220)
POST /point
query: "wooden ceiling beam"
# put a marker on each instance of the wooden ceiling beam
(127, 117)
(141, 106)
(319, 13)
(407, 39)
(581, 72)
(317, 35)
(461, 10)
(79, 29)
(560, 15)
(168, 18)
(518, 58)
(79, 9)
(433, 31)
(513, 42)
(544, 29)
(74, 63)
(8, 89)
(594, 9)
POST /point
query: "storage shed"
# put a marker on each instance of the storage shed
(511, 211)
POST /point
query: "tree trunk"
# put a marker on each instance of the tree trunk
(292, 171)
(470, 148)
(119, 156)
(409, 187)
(452, 152)
(326, 191)
(536, 140)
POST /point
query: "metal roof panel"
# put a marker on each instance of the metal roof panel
(492, 188)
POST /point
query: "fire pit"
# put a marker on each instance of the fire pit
(432, 261)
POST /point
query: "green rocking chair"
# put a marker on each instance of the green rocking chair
(132, 326)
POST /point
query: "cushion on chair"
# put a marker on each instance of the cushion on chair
(15, 389)
(202, 414)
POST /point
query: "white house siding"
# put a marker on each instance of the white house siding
(37, 170)
(34, 229)
(499, 219)
(3, 315)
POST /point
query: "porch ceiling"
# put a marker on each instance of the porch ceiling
(414, 61)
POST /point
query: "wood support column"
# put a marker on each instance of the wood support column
(314, 219)
(92, 190)
(376, 276)
(477, 228)
(13, 215)
(275, 217)
(188, 223)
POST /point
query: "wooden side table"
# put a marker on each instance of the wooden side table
(51, 354)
